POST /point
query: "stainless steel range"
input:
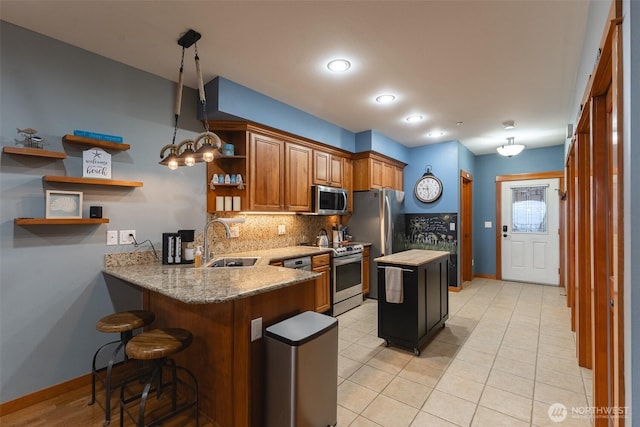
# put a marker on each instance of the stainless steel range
(346, 278)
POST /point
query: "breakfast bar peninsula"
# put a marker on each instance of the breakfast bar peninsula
(218, 305)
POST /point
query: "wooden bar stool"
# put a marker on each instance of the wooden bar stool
(157, 345)
(125, 323)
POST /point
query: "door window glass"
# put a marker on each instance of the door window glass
(529, 209)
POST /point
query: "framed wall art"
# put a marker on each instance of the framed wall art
(63, 204)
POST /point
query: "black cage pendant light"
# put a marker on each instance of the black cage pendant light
(206, 145)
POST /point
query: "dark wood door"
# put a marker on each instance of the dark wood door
(466, 227)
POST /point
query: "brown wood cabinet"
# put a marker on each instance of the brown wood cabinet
(327, 169)
(278, 169)
(372, 170)
(366, 272)
(266, 168)
(347, 181)
(320, 264)
(399, 179)
(298, 164)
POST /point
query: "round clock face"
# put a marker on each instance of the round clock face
(428, 189)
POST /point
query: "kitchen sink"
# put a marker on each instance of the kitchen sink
(233, 262)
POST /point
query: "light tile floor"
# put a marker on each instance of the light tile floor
(506, 355)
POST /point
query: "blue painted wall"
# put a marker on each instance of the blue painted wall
(236, 100)
(52, 290)
(443, 158)
(487, 167)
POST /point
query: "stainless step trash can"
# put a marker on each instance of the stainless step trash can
(302, 371)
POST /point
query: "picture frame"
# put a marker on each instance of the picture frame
(63, 204)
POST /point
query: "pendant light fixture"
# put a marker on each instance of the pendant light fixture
(205, 146)
(510, 149)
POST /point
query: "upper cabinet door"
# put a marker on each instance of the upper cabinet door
(266, 186)
(298, 164)
(327, 169)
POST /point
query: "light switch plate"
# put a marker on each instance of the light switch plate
(112, 237)
(256, 329)
(487, 224)
(124, 237)
(281, 229)
(234, 231)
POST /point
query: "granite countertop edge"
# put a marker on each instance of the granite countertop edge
(213, 285)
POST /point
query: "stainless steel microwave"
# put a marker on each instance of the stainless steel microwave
(329, 200)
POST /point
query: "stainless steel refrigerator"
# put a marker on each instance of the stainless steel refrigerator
(378, 218)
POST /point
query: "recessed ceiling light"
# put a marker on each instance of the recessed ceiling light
(385, 99)
(508, 125)
(435, 134)
(339, 65)
(414, 118)
(459, 123)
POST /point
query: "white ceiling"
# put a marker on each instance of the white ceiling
(472, 61)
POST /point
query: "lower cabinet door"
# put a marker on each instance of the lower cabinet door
(323, 296)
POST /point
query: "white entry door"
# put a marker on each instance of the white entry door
(530, 231)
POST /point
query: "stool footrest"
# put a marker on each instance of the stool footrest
(155, 384)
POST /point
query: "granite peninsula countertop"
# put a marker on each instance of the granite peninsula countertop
(217, 285)
(412, 257)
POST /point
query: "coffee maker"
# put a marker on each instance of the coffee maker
(186, 237)
(175, 247)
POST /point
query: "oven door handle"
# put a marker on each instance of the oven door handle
(347, 259)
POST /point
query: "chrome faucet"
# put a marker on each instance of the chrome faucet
(225, 222)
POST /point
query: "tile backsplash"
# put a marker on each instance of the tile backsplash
(261, 232)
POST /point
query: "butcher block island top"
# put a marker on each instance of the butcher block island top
(412, 257)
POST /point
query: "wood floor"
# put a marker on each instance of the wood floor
(71, 409)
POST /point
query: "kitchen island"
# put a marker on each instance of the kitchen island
(217, 305)
(425, 297)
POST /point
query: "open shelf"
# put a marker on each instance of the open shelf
(91, 181)
(60, 221)
(80, 140)
(36, 152)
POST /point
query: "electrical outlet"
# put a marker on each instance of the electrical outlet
(281, 229)
(234, 231)
(256, 329)
(112, 237)
(124, 237)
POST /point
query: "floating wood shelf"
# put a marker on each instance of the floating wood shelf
(60, 221)
(91, 181)
(36, 152)
(80, 140)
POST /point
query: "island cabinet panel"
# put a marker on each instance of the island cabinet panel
(424, 309)
(266, 186)
(228, 366)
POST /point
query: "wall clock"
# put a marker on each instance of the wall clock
(428, 187)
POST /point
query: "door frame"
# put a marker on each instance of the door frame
(466, 226)
(561, 219)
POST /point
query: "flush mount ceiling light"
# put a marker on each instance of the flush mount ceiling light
(207, 144)
(510, 149)
(385, 99)
(435, 134)
(414, 118)
(508, 125)
(339, 65)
